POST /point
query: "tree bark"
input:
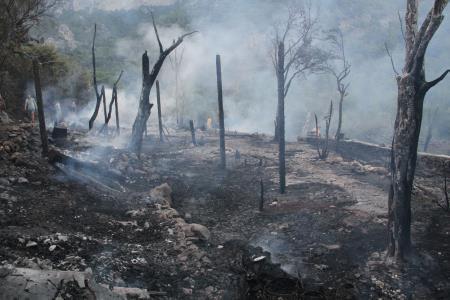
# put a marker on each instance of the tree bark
(403, 165)
(280, 118)
(40, 106)
(221, 113)
(158, 100)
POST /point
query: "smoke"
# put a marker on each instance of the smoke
(240, 31)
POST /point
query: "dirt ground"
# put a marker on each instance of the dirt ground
(329, 228)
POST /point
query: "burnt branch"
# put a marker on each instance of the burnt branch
(429, 85)
(161, 50)
(391, 58)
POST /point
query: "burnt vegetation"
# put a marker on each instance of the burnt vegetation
(248, 182)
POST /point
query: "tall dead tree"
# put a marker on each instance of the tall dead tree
(98, 95)
(294, 54)
(412, 88)
(101, 96)
(223, 162)
(148, 79)
(340, 72)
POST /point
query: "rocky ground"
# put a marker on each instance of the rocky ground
(172, 225)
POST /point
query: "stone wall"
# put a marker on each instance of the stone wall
(379, 155)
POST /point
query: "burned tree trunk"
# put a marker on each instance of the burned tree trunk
(221, 113)
(148, 79)
(191, 125)
(339, 126)
(280, 118)
(113, 102)
(158, 102)
(412, 88)
(40, 105)
(94, 72)
(322, 146)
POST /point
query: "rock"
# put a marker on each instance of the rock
(197, 230)
(31, 244)
(168, 213)
(4, 181)
(52, 248)
(22, 180)
(162, 195)
(187, 291)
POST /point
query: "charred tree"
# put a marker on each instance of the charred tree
(223, 162)
(293, 55)
(40, 105)
(97, 93)
(100, 96)
(322, 145)
(148, 79)
(112, 103)
(412, 88)
(340, 73)
(191, 126)
(158, 102)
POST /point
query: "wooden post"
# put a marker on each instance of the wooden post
(191, 124)
(117, 112)
(104, 104)
(158, 100)
(221, 114)
(261, 199)
(37, 87)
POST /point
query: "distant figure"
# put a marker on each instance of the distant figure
(73, 107)
(31, 107)
(209, 123)
(58, 113)
(2, 103)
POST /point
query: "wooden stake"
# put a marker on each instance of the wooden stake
(221, 113)
(40, 105)
(191, 124)
(117, 112)
(261, 199)
(158, 100)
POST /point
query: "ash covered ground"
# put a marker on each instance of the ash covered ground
(173, 225)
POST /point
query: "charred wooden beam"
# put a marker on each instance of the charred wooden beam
(261, 198)
(191, 125)
(221, 113)
(158, 100)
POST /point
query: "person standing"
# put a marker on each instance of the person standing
(58, 113)
(31, 108)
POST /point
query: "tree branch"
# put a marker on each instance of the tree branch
(392, 60)
(431, 84)
(161, 49)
